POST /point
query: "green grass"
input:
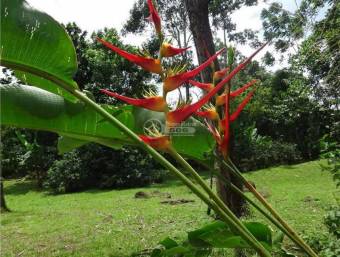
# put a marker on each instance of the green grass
(114, 223)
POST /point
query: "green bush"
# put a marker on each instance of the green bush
(95, 166)
(68, 174)
(254, 151)
(328, 244)
(332, 221)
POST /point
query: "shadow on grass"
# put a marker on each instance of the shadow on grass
(21, 187)
(288, 167)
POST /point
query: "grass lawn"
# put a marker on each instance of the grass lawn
(114, 223)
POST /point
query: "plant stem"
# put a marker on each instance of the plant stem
(297, 239)
(238, 224)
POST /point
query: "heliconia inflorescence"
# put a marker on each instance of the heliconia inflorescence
(217, 116)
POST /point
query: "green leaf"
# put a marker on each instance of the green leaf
(261, 232)
(218, 235)
(66, 144)
(168, 243)
(37, 47)
(34, 108)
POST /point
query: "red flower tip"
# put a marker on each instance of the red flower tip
(218, 75)
(239, 108)
(161, 143)
(210, 114)
(205, 86)
(147, 63)
(154, 17)
(243, 88)
(154, 103)
(168, 50)
(220, 100)
(173, 82)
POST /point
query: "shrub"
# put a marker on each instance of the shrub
(101, 167)
(332, 221)
(328, 244)
(256, 152)
(68, 174)
(325, 245)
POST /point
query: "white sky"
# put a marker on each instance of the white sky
(94, 15)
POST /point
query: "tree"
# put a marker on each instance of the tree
(3, 206)
(316, 57)
(84, 73)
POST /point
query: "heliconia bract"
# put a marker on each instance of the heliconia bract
(173, 82)
(154, 17)
(204, 86)
(161, 143)
(220, 100)
(147, 63)
(218, 75)
(239, 109)
(210, 114)
(168, 50)
(154, 103)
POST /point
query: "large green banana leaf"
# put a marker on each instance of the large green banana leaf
(30, 107)
(37, 47)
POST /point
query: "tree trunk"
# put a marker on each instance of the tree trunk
(200, 27)
(235, 202)
(3, 206)
(198, 14)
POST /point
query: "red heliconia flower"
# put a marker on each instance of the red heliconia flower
(173, 82)
(154, 103)
(168, 50)
(147, 63)
(154, 17)
(161, 143)
(220, 100)
(210, 114)
(218, 75)
(241, 106)
(205, 86)
(179, 115)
